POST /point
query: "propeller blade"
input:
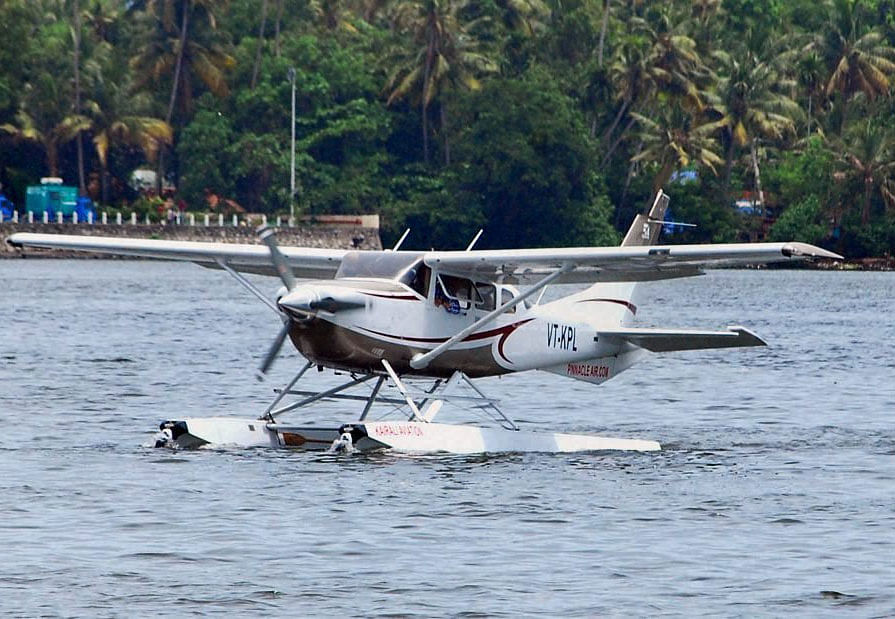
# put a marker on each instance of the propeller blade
(269, 237)
(274, 350)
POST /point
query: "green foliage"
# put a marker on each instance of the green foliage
(808, 172)
(531, 173)
(804, 183)
(692, 204)
(519, 116)
(204, 154)
(758, 16)
(802, 221)
(874, 239)
(430, 209)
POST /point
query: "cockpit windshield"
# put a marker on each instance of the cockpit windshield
(384, 264)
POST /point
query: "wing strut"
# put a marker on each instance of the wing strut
(414, 410)
(248, 285)
(420, 361)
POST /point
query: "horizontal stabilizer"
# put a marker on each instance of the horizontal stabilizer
(668, 340)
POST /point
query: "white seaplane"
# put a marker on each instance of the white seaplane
(394, 318)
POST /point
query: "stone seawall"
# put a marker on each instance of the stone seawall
(329, 237)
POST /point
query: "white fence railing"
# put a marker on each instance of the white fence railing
(206, 220)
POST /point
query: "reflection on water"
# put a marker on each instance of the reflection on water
(772, 494)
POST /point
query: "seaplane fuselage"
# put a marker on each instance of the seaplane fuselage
(401, 317)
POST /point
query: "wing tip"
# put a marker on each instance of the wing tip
(795, 249)
(747, 336)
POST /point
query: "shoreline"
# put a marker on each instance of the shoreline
(325, 236)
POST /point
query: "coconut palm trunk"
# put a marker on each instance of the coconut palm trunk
(52, 149)
(617, 142)
(810, 102)
(276, 36)
(865, 206)
(444, 131)
(754, 152)
(104, 180)
(618, 117)
(603, 25)
(76, 56)
(178, 69)
(259, 46)
(427, 73)
(728, 165)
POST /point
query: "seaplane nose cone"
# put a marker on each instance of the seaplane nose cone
(299, 301)
(282, 292)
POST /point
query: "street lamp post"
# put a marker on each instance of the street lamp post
(292, 164)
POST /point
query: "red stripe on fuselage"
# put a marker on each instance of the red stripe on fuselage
(396, 297)
(628, 304)
(505, 331)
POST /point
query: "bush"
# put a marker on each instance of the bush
(804, 221)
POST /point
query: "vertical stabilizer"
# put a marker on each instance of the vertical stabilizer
(644, 231)
(646, 228)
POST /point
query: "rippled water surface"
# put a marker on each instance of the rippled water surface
(774, 493)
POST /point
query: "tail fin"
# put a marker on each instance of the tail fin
(644, 231)
(646, 228)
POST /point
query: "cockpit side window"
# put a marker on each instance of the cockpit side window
(505, 297)
(453, 288)
(486, 296)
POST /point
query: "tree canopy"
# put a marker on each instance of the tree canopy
(543, 122)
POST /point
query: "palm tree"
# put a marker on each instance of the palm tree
(524, 16)
(120, 118)
(810, 75)
(859, 58)
(100, 17)
(867, 154)
(186, 50)
(656, 57)
(674, 141)
(445, 57)
(674, 63)
(335, 14)
(181, 44)
(751, 103)
(51, 136)
(632, 84)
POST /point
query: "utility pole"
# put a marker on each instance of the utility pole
(292, 164)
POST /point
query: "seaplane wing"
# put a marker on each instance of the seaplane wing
(518, 266)
(306, 262)
(614, 264)
(669, 340)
